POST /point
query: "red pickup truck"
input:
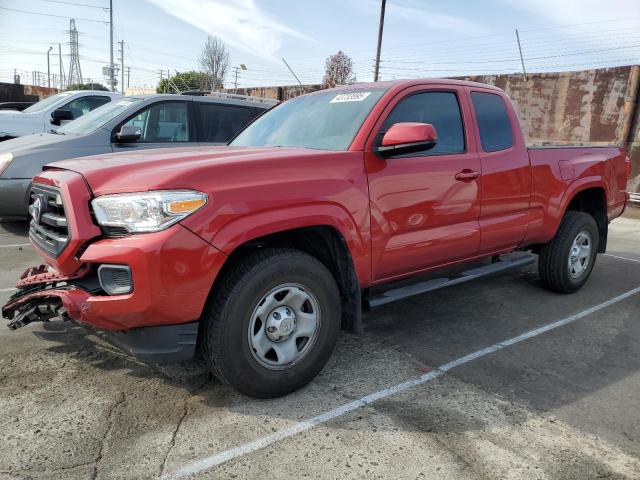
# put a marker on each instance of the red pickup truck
(259, 252)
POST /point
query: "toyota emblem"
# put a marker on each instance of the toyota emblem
(35, 209)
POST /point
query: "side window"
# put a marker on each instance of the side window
(163, 123)
(493, 121)
(82, 105)
(220, 123)
(441, 109)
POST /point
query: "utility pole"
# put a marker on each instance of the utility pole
(49, 68)
(235, 83)
(121, 42)
(524, 72)
(242, 66)
(128, 73)
(380, 28)
(60, 65)
(111, 66)
(161, 74)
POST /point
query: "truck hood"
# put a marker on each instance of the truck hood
(7, 115)
(19, 123)
(31, 152)
(180, 168)
(27, 143)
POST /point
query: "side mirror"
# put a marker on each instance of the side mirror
(407, 137)
(57, 116)
(128, 133)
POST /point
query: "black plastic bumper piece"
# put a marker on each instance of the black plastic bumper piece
(163, 344)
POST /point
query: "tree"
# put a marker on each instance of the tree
(214, 60)
(182, 82)
(338, 70)
(87, 86)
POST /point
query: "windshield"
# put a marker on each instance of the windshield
(46, 103)
(99, 117)
(322, 121)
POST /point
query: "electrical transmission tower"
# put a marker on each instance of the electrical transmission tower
(75, 73)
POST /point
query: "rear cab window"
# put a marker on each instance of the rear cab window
(494, 125)
(220, 122)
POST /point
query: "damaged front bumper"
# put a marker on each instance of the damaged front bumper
(43, 295)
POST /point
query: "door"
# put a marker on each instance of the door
(163, 124)
(218, 123)
(506, 173)
(424, 213)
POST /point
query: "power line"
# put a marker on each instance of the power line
(77, 4)
(483, 50)
(51, 15)
(514, 59)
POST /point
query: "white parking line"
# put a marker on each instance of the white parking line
(16, 245)
(299, 427)
(622, 258)
(12, 289)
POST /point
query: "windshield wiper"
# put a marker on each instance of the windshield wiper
(56, 132)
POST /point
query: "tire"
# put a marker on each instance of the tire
(557, 265)
(237, 318)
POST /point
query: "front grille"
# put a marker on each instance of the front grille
(48, 228)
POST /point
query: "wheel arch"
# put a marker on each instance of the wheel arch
(326, 243)
(589, 197)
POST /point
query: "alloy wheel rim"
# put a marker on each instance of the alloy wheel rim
(284, 326)
(580, 254)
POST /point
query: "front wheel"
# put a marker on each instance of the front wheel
(566, 262)
(273, 322)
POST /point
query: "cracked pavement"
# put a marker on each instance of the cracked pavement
(560, 405)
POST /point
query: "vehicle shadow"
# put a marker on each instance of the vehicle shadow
(89, 347)
(14, 227)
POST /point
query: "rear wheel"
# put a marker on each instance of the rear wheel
(566, 262)
(273, 323)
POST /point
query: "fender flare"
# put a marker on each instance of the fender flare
(574, 188)
(266, 222)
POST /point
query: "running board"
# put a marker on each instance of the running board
(438, 283)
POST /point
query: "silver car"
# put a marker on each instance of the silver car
(154, 121)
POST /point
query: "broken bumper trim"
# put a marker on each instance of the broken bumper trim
(42, 305)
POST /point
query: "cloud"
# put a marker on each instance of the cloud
(428, 18)
(240, 23)
(572, 12)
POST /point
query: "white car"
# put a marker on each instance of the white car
(50, 113)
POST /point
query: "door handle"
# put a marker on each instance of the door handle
(466, 175)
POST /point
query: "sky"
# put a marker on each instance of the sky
(422, 38)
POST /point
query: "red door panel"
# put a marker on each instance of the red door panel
(506, 173)
(422, 216)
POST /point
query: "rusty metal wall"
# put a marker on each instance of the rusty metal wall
(277, 93)
(12, 92)
(588, 106)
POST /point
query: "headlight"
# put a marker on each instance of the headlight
(5, 160)
(146, 211)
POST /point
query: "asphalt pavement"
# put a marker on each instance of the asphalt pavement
(496, 378)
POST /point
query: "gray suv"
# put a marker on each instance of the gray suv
(130, 123)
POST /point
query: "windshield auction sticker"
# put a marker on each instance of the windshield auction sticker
(350, 97)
